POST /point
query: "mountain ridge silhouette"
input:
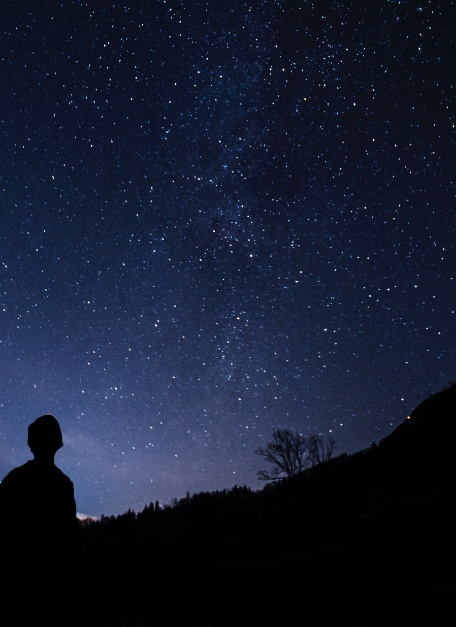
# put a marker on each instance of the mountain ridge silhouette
(373, 532)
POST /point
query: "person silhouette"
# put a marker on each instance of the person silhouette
(39, 530)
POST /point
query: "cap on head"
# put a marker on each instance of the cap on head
(45, 434)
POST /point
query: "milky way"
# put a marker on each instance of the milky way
(219, 218)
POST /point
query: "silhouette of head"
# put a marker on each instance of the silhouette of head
(44, 435)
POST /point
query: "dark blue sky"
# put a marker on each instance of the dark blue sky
(219, 218)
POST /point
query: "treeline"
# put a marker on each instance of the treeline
(155, 524)
(343, 488)
(376, 524)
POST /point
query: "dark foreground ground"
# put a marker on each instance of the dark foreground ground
(255, 598)
(364, 578)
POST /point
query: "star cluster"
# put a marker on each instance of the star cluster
(220, 218)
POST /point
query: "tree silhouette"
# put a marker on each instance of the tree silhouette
(319, 449)
(291, 453)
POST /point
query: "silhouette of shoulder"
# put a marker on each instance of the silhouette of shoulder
(38, 511)
(26, 479)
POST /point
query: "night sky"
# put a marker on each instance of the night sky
(218, 218)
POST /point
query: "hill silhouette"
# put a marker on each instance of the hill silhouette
(373, 531)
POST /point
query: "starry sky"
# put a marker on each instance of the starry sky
(220, 218)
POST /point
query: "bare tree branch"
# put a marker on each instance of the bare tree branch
(290, 453)
(320, 450)
(287, 452)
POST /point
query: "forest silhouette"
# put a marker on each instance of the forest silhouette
(372, 531)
